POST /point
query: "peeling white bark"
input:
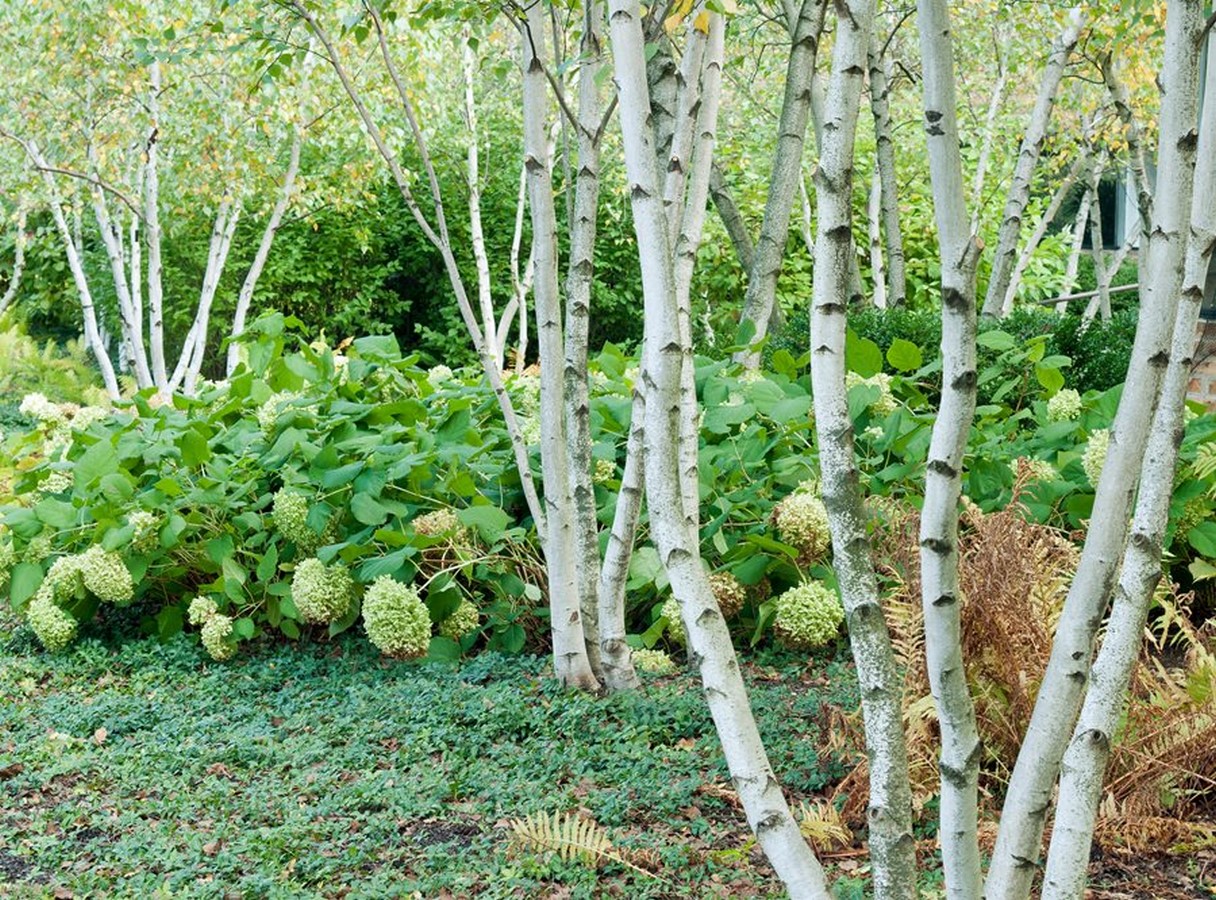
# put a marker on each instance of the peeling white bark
(884, 154)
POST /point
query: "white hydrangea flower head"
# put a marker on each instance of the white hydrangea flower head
(597, 381)
(605, 471)
(57, 443)
(201, 609)
(87, 415)
(631, 375)
(802, 520)
(886, 402)
(463, 621)
(146, 526)
(396, 619)
(655, 662)
(675, 625)
(439, 374)
(1094, 457)
(872, 433)
(8, 553)
(729, 593)
(39, 548)
(751, 376)
(1039, 470)
(1064, 406)
(106, 575)
(529, 430)
(216, 634)
(440, 522)
(56, 482)
(808, 616)
(37, 406)
(290, 517)
(268, 412)
(321, 593)
(54, 627)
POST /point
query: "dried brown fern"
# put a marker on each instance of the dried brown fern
(573, 838)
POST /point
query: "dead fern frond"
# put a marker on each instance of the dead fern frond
(570, 837)
(822, 824)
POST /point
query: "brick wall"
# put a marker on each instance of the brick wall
(1203, 373)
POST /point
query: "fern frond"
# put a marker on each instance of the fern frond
(570, 837)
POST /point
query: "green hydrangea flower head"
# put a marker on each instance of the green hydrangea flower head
(201, 610)
(56, 482)
(886, 402)
(37, 406)
(8, 554)
(396, 619)
(268, 412)
(605, 471)
(675, 625)
(463, 621)
(147, 530)
(1194, 512)
(654, 662)
(106, 575)
(729, 593)
(439, 374)
(808, 616)
(1039, 470)
(54, 627)
(290, 517)
(1094, 457)
(87, 415)
(321, 593)
(1064, 406)
(216, 636)
(802, 520)
(39, 548)
(438, 523)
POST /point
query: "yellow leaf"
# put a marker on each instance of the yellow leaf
(701, 22)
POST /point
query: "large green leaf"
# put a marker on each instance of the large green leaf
(367, 510)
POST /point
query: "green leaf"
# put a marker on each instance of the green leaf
(367, 510)
(1203, 538)
(56, 513)
(244, 628)
(168, 622)
(96, 462)
(169, 487)
(117, 487)
(341, 475)
(24, 581)
(1201, 570)
(490, 521)
(268, 565)
(389, 564)
(862, 355)
(996, 340)
(444, 649)
(194, 448)
(513, 638)
(904, 355)
(1049, 377)
(220, 548)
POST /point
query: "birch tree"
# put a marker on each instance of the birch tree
(890, 801)
(1028, 158)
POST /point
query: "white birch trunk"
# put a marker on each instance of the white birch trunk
(1074, 252)
(476, 233)
(761, 295)
(111, 238)
(884, 154)
(617, 671)
(1101, 300)
(571, 663)
(152, 230)
(1061, 693)
(994, 108)
(19, 242)
(874, 232)
(245, 297)
(732, 219)
(688, 101)
(1040, 230)
(1028, 158)
(1088, 753)
(92, 333)
(959, 762)
(1135, 141)
(708, 637)
(892, 848)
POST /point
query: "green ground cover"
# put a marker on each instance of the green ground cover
(146, 769)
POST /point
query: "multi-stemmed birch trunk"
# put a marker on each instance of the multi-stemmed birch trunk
(1062, 691)
(1028, 158)
(939, 557)
(761, 296)
(890, 802)
(1085, 760)
(678, 544)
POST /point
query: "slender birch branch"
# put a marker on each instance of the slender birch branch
(884, 154)
(1028, 158)
(19, 242)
